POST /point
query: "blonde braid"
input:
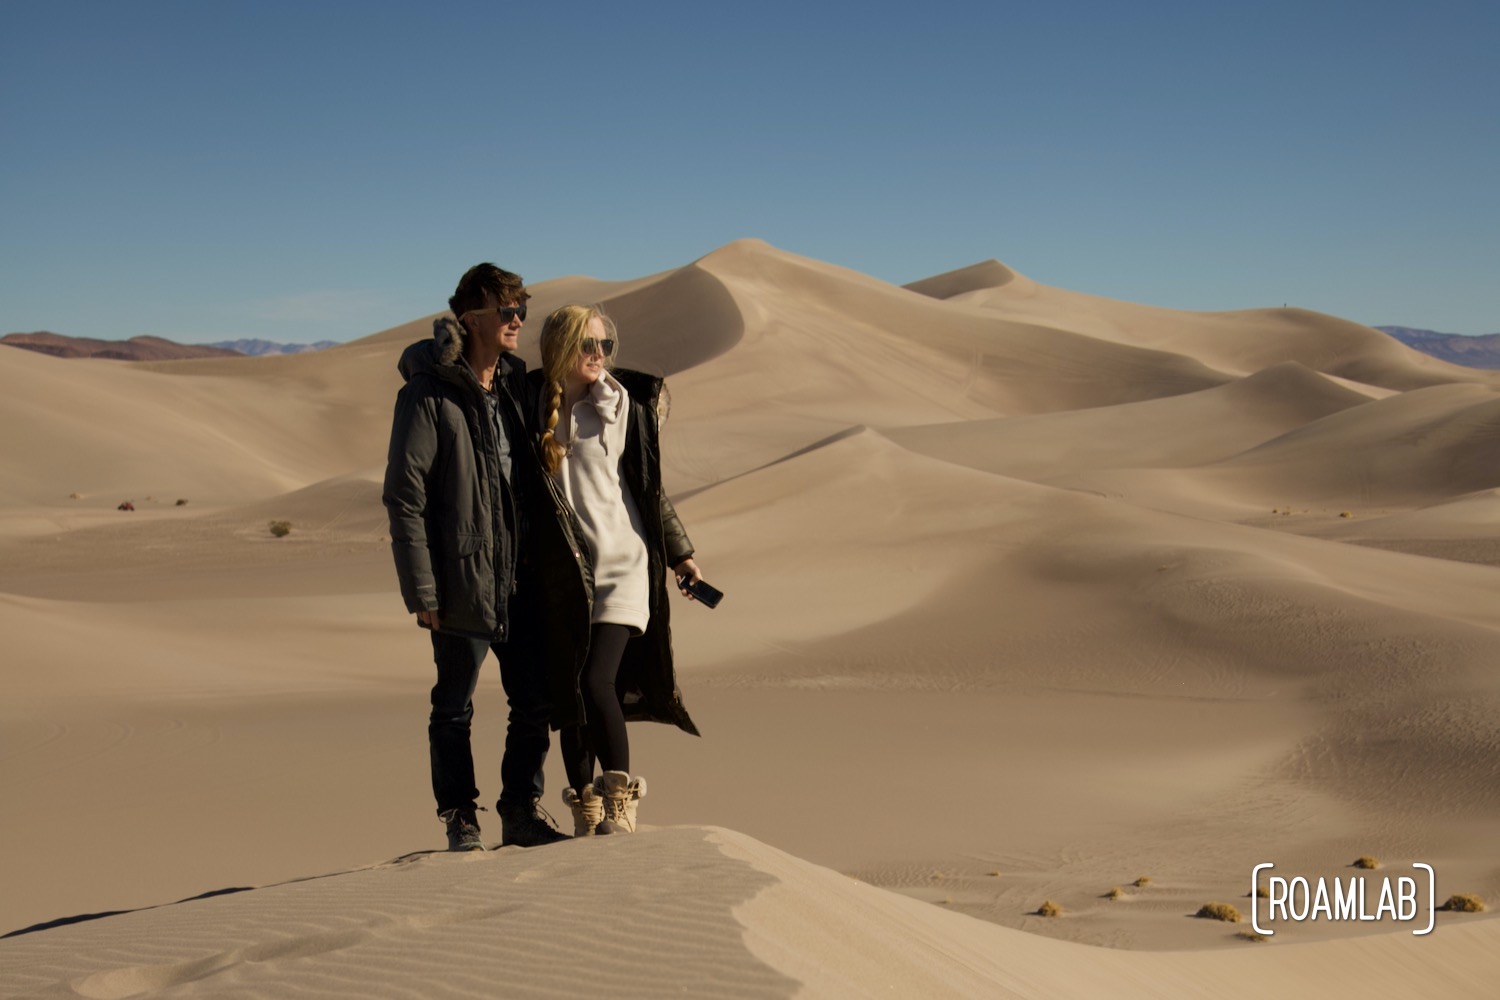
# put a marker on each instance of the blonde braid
(552, 450)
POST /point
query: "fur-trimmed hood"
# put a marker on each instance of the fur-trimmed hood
(448, 334)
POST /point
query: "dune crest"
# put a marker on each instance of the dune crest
(983, 275)
(712, 912)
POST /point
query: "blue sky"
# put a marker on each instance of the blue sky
(311, 171)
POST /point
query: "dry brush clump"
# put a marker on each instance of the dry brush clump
(281, 528)
(1218, 911)
(1114, 893)
(1049, 909)
(1250, 935)
(1142, 882)
(1463, 902)
(1366, 862)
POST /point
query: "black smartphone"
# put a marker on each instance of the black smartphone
(708, 596)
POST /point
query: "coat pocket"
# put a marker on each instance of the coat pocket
(466, 584)
(467, 543)
(459, 566)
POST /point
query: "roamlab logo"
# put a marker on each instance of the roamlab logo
(1357, 898)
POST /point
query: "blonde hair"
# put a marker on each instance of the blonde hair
(562, 339)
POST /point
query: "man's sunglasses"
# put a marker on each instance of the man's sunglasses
(506, 313)
(605, 347)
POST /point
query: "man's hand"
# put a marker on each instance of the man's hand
(687, 572)
(428, 619)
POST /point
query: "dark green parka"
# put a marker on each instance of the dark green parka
(647, 676)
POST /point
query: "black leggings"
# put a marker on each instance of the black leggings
(602, 736)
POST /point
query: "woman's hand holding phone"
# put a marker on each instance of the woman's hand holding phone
(690, 580)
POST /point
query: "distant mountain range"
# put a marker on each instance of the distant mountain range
(258, 348)
(149, 348)
(134, 349)
(1471, 352)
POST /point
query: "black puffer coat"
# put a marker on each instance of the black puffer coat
(647, 676)
(454, 551)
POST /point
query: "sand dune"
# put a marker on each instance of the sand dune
(1413, 449)
(714, 913)
(1109, 626)
(1191, 429)
(1006, 592)
(986, 275)
(826, 349)
(1416, 447)
(107, 427)
(1238, 342)
(1466, 529)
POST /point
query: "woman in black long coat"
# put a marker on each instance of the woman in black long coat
(604, 554)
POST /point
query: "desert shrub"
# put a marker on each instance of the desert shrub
(1463, 902)
(181, 502)
(1218, 911)
(1115, 893)
(1249, 935)
(995, 873)
(1142, 882)
(1049, 909)
(1366, 862)
(281, 528)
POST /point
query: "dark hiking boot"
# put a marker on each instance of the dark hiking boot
(527, 825)
(463, 830)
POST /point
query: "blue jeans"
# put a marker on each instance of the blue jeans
(523, 674)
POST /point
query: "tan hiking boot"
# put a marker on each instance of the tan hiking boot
(588, 810)
(620, 792)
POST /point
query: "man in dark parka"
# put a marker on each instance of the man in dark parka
(458, 475)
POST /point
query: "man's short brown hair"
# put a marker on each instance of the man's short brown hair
(503, 286)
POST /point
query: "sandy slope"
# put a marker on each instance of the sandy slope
(1172, 432)
(711, 913)
(1006, 593)
(1240, 342)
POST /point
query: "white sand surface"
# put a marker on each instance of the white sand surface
(1030, 593)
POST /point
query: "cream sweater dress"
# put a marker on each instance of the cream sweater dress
(589, 475)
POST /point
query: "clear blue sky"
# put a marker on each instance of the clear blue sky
(306, 171)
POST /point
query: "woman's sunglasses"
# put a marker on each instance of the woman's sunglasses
(605, 347)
